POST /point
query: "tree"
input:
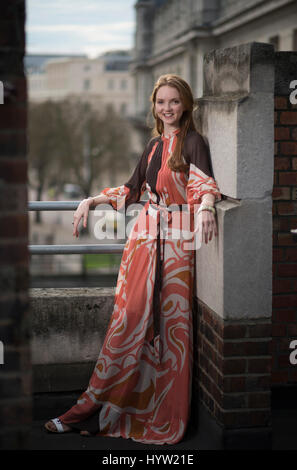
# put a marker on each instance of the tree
(91, 142)
(42, 143)
(117, 144)
(71, 142)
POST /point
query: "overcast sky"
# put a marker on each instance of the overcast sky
(79, 26)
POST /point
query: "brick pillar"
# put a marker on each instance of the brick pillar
(234, 271)
(284, 219)
(15, 366)
(233, 376)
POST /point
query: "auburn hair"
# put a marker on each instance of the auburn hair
(175, 161)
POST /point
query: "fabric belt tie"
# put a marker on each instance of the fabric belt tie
(162, 210)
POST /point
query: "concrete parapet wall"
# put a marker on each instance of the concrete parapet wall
(234, 270)
(235, 115)
(68, 330)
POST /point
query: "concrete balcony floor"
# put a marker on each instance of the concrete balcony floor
(283, 424)
(284, 435)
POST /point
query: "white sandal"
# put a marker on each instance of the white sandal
(58, 424)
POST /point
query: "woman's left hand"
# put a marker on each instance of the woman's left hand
(205, 225)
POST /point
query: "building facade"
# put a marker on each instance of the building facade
(104, 81)
(173, 36)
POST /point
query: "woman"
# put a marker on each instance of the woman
(141, 384)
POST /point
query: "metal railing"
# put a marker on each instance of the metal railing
(76, 249)
(69, 249)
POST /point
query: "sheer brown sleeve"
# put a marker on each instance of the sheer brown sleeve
(136, 182)
(131, 191)
(201, 179)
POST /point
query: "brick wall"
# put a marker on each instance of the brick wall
(15, 372)
(284, 328)
(233, 369)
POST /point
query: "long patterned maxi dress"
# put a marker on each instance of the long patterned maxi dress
(141, 384)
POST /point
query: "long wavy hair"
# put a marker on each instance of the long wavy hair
(175, 161)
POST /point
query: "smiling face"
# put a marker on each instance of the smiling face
(169, 108)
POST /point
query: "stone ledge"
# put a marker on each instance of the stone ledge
(68, 330)
(73, 292)
(242, 69)
(49, 378)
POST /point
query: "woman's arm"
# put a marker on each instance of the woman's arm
(83, 208)
(201, 185)
(202, 189)
(208, 199)
(100, 199)
(126, 194)
(206, 222)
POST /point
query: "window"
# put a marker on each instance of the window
(109, 108)
(86, 85)
(123, 109)
(123, 84)
(110, 84)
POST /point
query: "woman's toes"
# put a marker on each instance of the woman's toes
(66, 427)
(50, 425)
(85, 433)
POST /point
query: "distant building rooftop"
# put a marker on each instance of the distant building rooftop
(117, 60)
(34, 63)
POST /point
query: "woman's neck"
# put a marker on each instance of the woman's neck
(168, 132)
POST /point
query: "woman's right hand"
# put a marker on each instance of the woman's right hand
(81, 212)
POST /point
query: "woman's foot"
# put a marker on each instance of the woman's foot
(85, 433)
(55, 425)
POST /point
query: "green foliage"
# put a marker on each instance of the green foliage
(104, 260)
